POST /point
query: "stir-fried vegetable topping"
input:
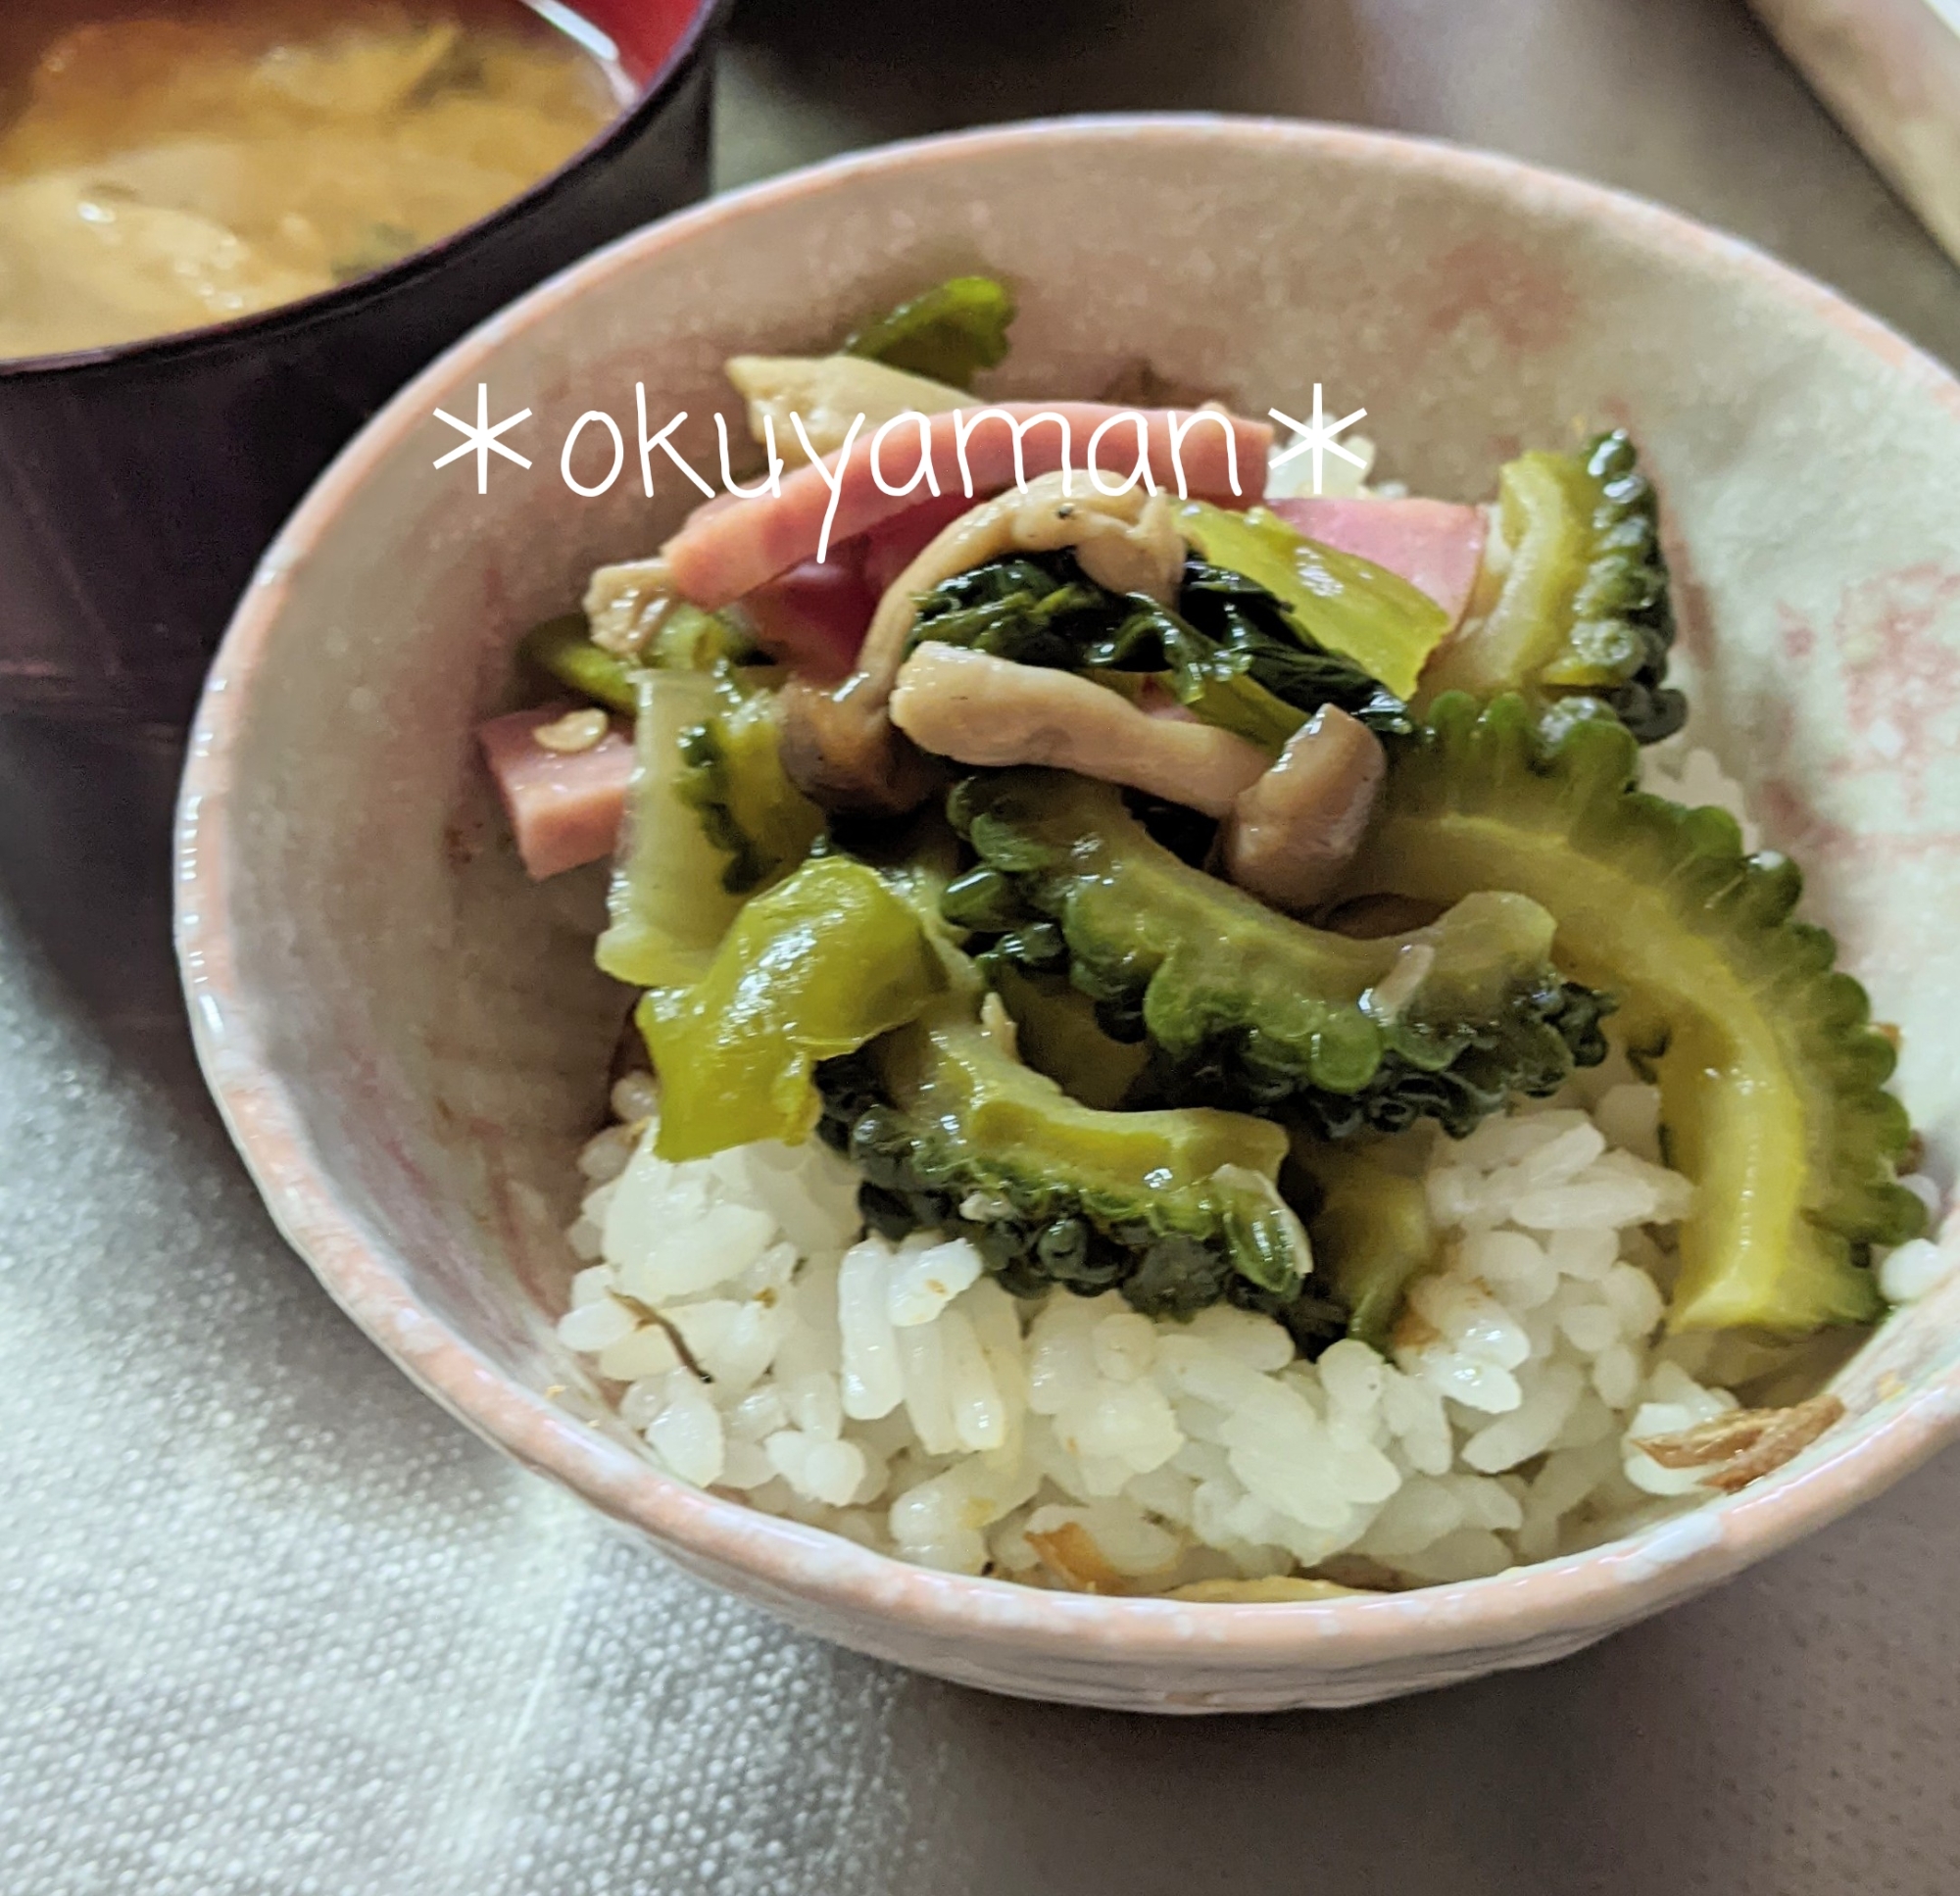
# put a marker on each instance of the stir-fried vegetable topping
(734, 778)
(949, 333)
(1371, 1232)
(1175, 1209)
(682, 637)
(1158, 1041)
(560, 649)
(811, 970)
(1247, 1008)
(1771, 1076)
(669, 905)
(1228, 651)
(676, 636)
(1581, 622)
(1334, 602)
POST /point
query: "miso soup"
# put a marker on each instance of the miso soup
(171, 167)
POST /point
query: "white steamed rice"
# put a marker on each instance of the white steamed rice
(897, 1394)
(894, 1394)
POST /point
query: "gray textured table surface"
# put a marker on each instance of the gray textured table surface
(270, 1622)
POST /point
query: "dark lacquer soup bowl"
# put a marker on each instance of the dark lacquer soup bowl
(139, 482)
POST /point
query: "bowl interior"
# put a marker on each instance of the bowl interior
(410, 1039)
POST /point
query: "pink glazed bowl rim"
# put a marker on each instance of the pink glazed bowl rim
(1600, 1588)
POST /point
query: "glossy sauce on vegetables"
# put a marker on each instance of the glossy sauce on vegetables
(164, 170)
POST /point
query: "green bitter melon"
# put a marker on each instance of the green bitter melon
(1772, 1077)
(1243, 1008)
(1580, 621)
(1176, 1209)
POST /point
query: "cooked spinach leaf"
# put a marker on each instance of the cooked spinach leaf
(1227, 650)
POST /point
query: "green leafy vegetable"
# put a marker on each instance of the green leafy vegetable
(561, 647)
(1244, 1007)
(1177, 1210)
(1771, 1076)
(667, 905)
(1583, 622)
(734, 779)
(1249, 627)
(949, 333)
(1227, 650)
(811, 970)
(1334, 602)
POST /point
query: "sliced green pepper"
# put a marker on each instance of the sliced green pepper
(811, 970)
(562, 648)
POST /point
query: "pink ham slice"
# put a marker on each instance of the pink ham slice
(729, 546)
(565, 806)
(813, 618)
(1437, 545)
(888, 549)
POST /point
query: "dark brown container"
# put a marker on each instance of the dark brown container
(140, 483)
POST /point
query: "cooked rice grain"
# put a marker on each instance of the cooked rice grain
(897, 1394)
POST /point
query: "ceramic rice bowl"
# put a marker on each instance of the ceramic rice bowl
(409, 1039)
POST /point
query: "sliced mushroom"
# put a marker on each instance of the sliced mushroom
(841, 749)
(829, 392)
(1127, 542)
(840, 746)
(980, 710)
(1294, 832)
